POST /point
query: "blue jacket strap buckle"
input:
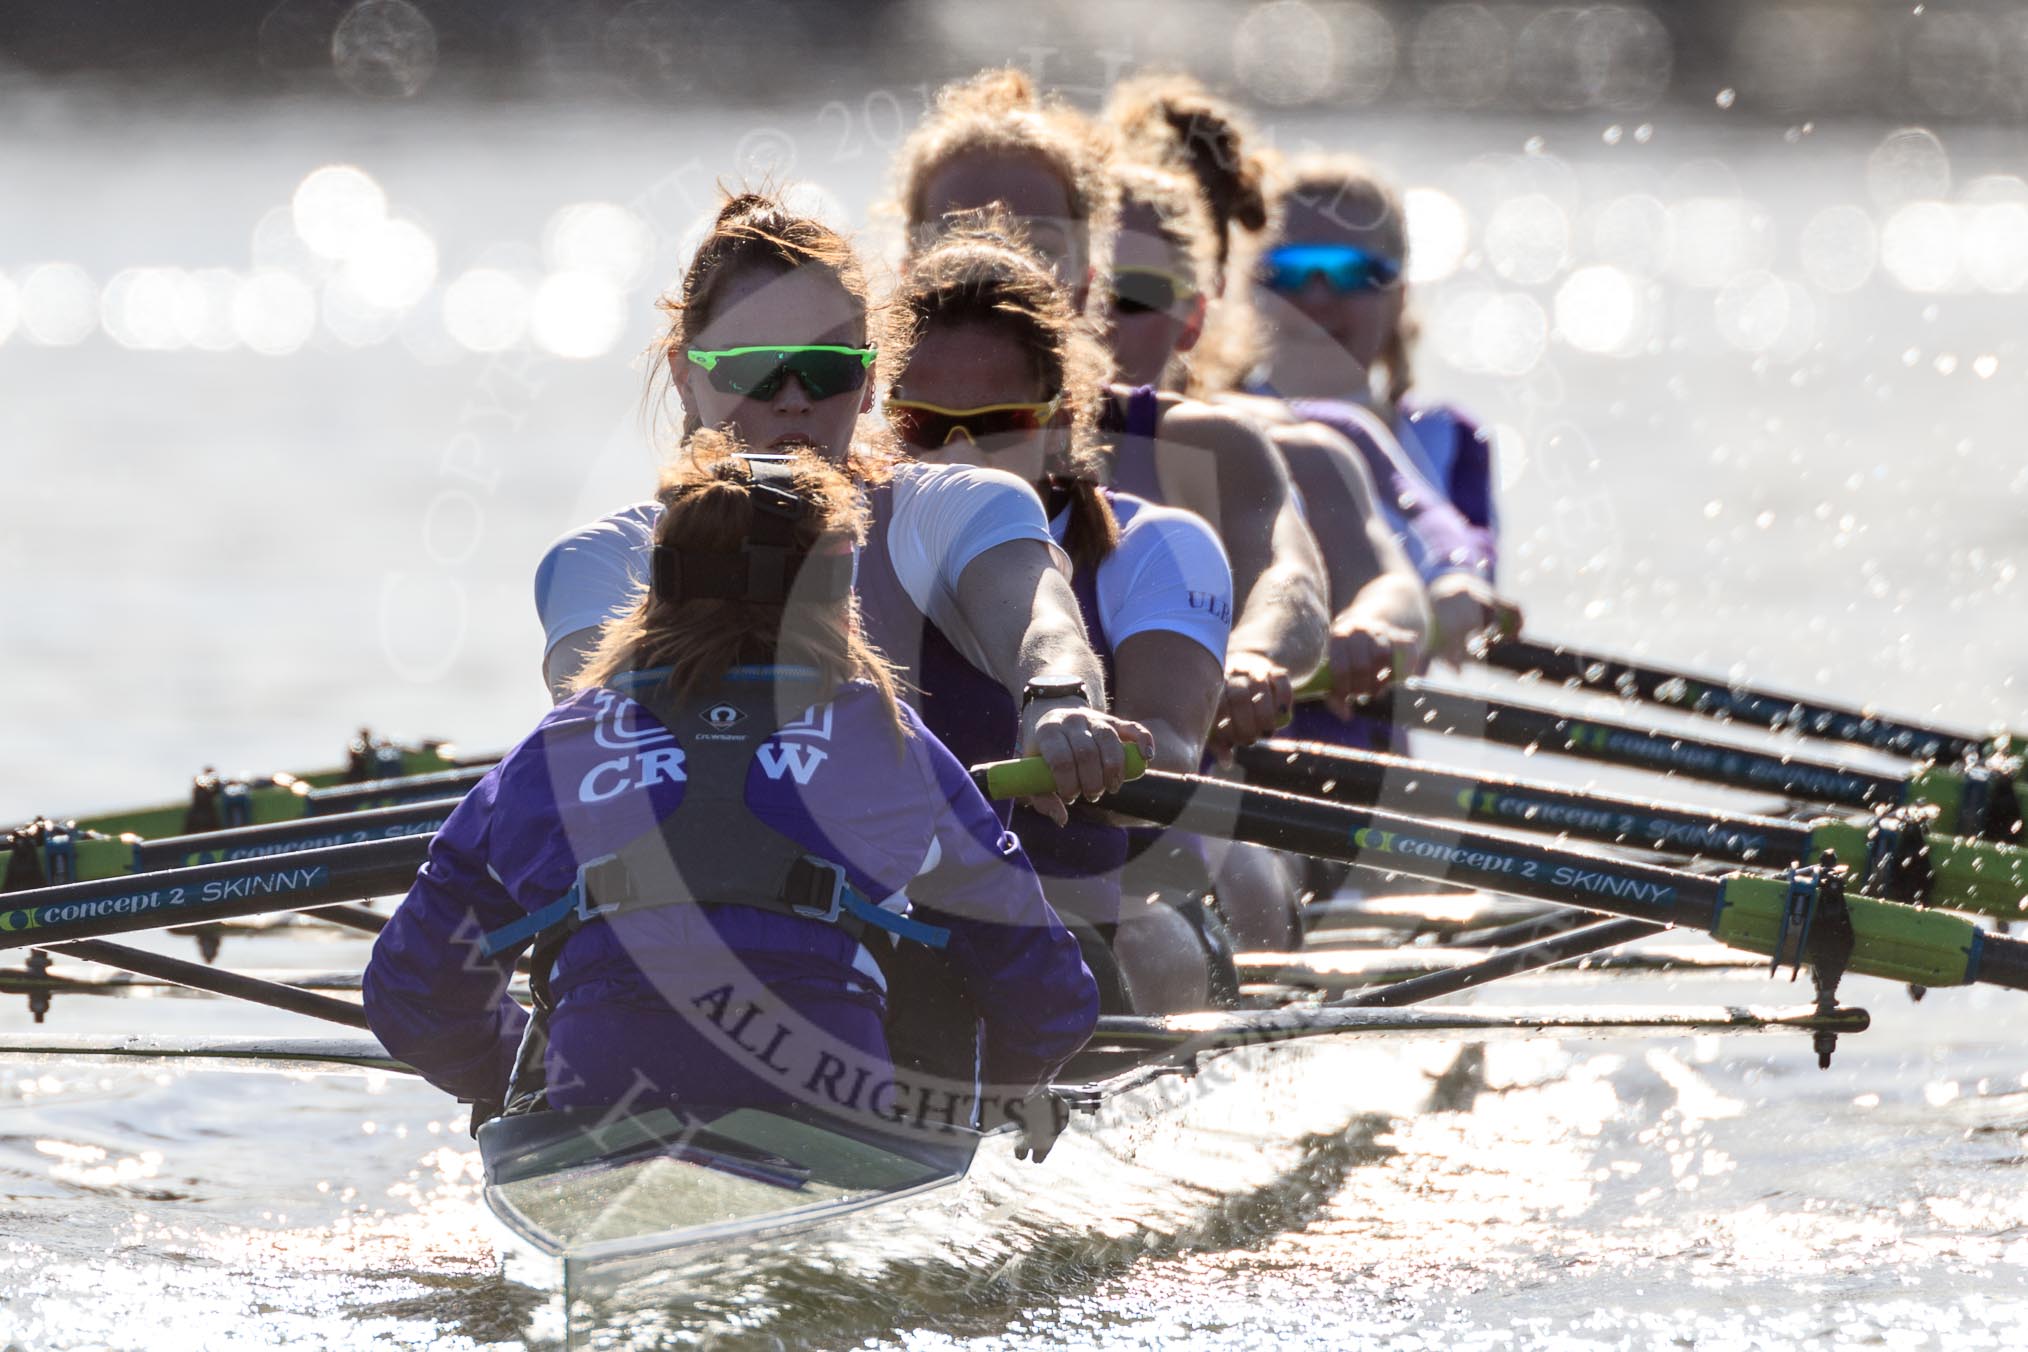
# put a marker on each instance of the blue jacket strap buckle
(575, 908)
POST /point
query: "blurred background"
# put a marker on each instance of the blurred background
(319, 320)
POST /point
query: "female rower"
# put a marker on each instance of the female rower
(1358, 249)
(769, 338)
(1327, 282)
(1193, 190)
(707, 844)
(993, 368)
(992, 141)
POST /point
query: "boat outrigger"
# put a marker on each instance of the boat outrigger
(620, 1196)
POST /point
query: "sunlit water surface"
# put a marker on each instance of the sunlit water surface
(1752, 440)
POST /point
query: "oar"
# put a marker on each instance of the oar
(1740, 702)
(1130, 1037)
(1898, 859)
(291, 882)
(59, 856)
(274, 994)
(1805, 916)
(1232, 1029)
(221, 801)
(1977, 801)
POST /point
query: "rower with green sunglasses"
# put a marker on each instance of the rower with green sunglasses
(768, 338)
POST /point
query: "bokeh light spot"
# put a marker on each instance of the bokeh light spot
(577, 315)
(337, 206)
(1528, 239)
(274, 313)
(1919, 246)
(1438, 234)
(1908, 164)
(1995, 245)
(393, 266)
(486, 310)
(59, 305)
(1598, 310)
(1284, 53)
(599, 237)
(1632, 232)
(1840, 246)
(386, 48)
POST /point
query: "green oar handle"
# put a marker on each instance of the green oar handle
(1983, 876)
(1030, 777)
(1943, 787)
(1892, 940)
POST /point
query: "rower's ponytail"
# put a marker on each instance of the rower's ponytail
(1177, 125)
(1172, 119)
(707, 505)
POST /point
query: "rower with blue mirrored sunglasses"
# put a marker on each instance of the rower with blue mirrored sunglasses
(1345, 268)
(823, 369)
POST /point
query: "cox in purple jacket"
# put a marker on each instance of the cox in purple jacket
(716, 1004)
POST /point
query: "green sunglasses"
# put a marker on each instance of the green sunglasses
(823, 369)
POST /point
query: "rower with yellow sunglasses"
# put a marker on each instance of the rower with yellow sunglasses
(995, 371)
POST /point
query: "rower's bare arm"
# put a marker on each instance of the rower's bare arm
(1021, 609)
(1381, 624)
(1169, 684)
(563, 661)
(1278, 578)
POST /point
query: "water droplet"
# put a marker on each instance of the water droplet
(1712, 509)
(1534, 145)
(1984, 366)
(1644, 133)
(1613, 134)
(1945, 364)
(1726, 97)
(1764, 520)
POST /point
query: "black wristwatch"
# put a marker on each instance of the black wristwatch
(1054, 687)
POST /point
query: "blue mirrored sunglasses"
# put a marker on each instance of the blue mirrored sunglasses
(1345, 268)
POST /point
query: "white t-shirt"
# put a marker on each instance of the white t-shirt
(1169, 573)
(944, 517)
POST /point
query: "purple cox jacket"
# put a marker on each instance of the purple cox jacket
(642, 997)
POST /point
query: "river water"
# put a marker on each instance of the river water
(280, 449)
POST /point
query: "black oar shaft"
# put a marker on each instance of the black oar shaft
(309, 833)
(1463, 713)
(184, 896)
(1544, 953)
(1394, 844)
(1373, 779)
(199, 977)
(1727, 699)
(383, 792)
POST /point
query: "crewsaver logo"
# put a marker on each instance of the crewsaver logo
(724, 716)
